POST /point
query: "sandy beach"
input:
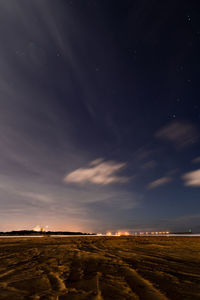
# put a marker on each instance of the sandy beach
(100, 268)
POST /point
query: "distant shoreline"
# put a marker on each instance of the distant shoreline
(94, 235)
(41, 233)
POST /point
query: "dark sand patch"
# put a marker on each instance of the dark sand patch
(100, 268)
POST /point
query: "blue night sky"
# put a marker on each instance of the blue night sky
(100, 115)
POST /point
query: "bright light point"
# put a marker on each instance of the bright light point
(126, 233)
(99, 234)
(118, 233)
(108, 233)
(40, 229)
(37, 228)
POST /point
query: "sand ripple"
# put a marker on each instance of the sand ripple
(100, 268)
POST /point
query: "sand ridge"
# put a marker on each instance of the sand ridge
(100, 268)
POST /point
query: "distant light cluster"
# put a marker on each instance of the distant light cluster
(40, 229)
(126, 233)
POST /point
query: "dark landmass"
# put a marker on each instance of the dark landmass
(32, 232)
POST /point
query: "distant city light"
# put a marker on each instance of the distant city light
(40, 229)
(118, 233)
(37, 228)
(108, 233)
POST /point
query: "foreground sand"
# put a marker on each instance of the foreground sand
(100, 268)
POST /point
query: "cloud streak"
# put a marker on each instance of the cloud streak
(99, 172)
(36, 196)
(192, 178)
(181, 134)
(159, 182)
(196, 160)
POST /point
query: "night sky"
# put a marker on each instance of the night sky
(100, 115)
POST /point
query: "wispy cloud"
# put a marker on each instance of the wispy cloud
(192, 178)
(99, 172)
(149, 165)
(159, 182)
(181, 134)
(196, 160)
(35, 196)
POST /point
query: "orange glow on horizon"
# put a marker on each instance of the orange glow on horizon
(118, 233)
(108, 233)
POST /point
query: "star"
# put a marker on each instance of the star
(171, 116)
